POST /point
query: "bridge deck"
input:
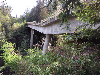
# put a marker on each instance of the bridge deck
(53, 26)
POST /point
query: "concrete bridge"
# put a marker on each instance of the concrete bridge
(51, 25)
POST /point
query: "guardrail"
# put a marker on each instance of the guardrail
(48, 20)
(44, 21)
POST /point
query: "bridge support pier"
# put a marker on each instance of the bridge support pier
(46, 43)
(31, 39)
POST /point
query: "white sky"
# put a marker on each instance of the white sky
(19, 6)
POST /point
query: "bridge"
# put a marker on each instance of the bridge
(52, 25)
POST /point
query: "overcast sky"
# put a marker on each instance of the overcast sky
(19, 6)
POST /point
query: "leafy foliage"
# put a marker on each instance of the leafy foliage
(37, 13)
(66, 60)
(86, 11)
(89, 12)
(10, 57)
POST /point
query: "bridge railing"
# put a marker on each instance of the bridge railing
(44, 21)
(48, 20)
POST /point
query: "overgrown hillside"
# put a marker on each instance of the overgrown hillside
(69, 54)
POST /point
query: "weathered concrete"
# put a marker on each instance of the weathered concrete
(31, 39)
(46, 43)
(55, 28)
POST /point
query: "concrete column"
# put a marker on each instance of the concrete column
(31, 39)
(46, 43)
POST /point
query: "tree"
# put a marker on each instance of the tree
(89, 12)
(34, 15)
(85, 10)
(6, 21)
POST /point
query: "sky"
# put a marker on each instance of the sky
(19, 6)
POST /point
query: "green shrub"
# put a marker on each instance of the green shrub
(68, 60)
(10, 57)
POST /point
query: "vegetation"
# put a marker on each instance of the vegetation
(67, 59)
(75, 54)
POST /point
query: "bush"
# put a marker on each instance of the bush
(10, 57)
(67, 60)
